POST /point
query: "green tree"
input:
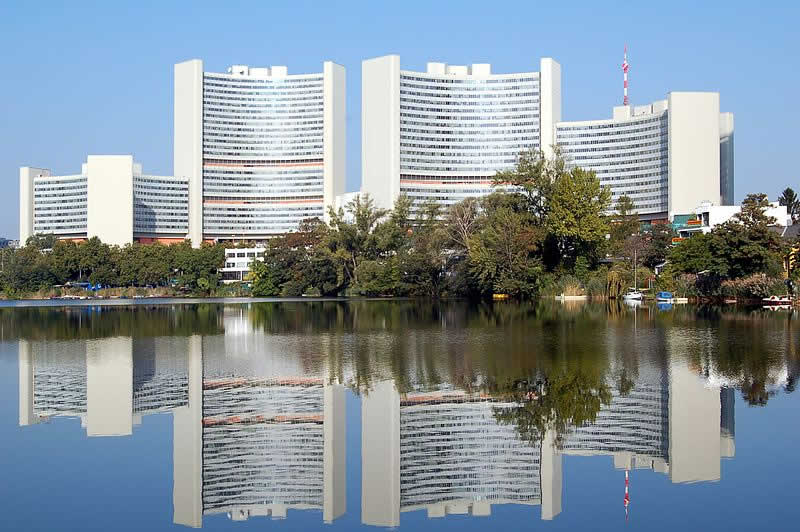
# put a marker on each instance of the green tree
(42, 240)
(422, 263)
(693, 255)
(624, 223)
(534, 177)
(745, 244)
(505, 255)
(576, 218)
(659, 243)
(352, 238)
(792, 203)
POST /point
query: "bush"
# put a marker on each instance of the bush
(754, 286)
(571, 286)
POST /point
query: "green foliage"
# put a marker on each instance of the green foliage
(623, 224)
(658, 245)
(754, 286)
(45, 262)
(740, 247)
(792, 203)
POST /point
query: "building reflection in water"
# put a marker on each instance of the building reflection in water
(259, 428)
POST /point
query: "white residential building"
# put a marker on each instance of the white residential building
(444, 133)
(261, 149)
(110, 198)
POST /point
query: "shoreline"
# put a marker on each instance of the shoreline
(145, 301)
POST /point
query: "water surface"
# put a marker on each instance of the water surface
(375, 414)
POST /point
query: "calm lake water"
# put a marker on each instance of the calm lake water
(419, 416)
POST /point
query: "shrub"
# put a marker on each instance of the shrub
(754, 286)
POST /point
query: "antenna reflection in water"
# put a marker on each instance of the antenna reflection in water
(454, 423)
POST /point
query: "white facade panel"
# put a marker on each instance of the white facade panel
(549, 103)
(109, 213)
(694, 156)
(334, 133)
(188, 139)
(380, 129)
(27, 175)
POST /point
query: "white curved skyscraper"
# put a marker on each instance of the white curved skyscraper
(443, 134)
(262, 149)
(668, 156)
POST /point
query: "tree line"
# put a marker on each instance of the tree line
(545, 230)
(46, 261)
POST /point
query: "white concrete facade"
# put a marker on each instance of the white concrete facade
(442, 135)
(110, 199)
(27, 174)
(188, 139)
(262, 149)
(693, 150)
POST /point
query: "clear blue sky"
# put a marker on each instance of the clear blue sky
(80, 78)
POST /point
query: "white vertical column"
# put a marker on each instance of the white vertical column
(26, 199)
(187, 448)
(334, 453)
(694, 150)
(380, 129)
(551, 475)
(549, 103)
(109, 200)
(380, 456)
(188, 139)
(333, 133)
(694, 432)
(27, 414)
(109, 387)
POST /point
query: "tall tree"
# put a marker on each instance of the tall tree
(792, 203)
(577, 217)
(624, 223)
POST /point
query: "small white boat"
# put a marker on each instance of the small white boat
(633, 295)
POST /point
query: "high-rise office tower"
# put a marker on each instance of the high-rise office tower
(262, 149)
(444, 133)
(668, 156)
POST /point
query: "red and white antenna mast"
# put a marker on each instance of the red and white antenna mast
(625, 67)
(627, 499)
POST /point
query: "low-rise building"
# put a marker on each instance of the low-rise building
(237, 263)
(707, 216)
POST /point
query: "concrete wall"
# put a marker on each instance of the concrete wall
(188, 139)
(334, 132)
(380, 129)
(694, 156)
(26, 175)
(109, 212)
(549, 102)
